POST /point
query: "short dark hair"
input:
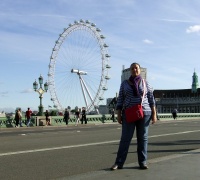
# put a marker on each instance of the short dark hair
(135, 64)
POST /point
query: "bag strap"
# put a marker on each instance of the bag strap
(144, 90)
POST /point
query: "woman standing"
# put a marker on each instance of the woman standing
(130, 94)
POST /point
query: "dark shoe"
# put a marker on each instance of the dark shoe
(115, 166)
(143, 166)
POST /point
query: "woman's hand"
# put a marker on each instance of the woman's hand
(154, 118)
(119, 116)
(119, 119)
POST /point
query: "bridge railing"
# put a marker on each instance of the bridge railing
(168, 116)
(10, 121)
(91, 119)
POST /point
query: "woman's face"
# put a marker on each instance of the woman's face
(135, 70)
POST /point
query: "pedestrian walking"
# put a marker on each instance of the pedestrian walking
(174, 114)
(17, 118)
(132, 92)
(20, 117)
(28, 117)
(77, 116)
(47, 118)
(66, 116)
(113, 115)
(83, 118)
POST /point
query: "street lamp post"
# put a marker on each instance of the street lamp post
(41, 91)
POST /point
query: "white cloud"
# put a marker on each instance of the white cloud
(3, 93)
(27, 91)
(193, 29)
(147, 41)
(176, 20)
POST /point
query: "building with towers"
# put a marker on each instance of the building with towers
(184, 100)
(195, 83)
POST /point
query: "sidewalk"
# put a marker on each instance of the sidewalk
(183, 166)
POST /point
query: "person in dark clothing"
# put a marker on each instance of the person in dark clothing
(77, 116)
(28, 117)
(113, 115)
(17, 118)
(83, 116)
(47, 118)
(66, 116)
(174, 114)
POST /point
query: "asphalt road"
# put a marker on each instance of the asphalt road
(61, 152)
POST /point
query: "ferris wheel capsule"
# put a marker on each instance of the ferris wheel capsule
(98, 30)
(108, 66)
(102, 36)
(87, 22)
(105, 45)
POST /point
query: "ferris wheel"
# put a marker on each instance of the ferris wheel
(79, 66)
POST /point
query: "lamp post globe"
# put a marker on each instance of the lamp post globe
(40, 80)
(46, 86)
(35, 85)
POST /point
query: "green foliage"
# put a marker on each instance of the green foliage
(73, 110)
(53, 113)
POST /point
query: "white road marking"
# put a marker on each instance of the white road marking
(88, 144)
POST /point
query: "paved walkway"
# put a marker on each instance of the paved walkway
(183, 166)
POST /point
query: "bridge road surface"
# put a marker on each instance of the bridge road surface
(65, 152)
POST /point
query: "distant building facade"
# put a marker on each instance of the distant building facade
(184, 100)
(126, 73)
(103, 109)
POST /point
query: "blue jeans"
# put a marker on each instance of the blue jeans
(128, 129)
(28, 121)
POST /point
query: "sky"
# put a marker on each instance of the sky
(161, 35)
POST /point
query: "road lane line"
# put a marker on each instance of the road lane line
(88, 144)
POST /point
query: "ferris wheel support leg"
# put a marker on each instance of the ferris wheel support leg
(83, 91)
(88, 91)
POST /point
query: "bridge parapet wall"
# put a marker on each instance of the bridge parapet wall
(91, 119)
